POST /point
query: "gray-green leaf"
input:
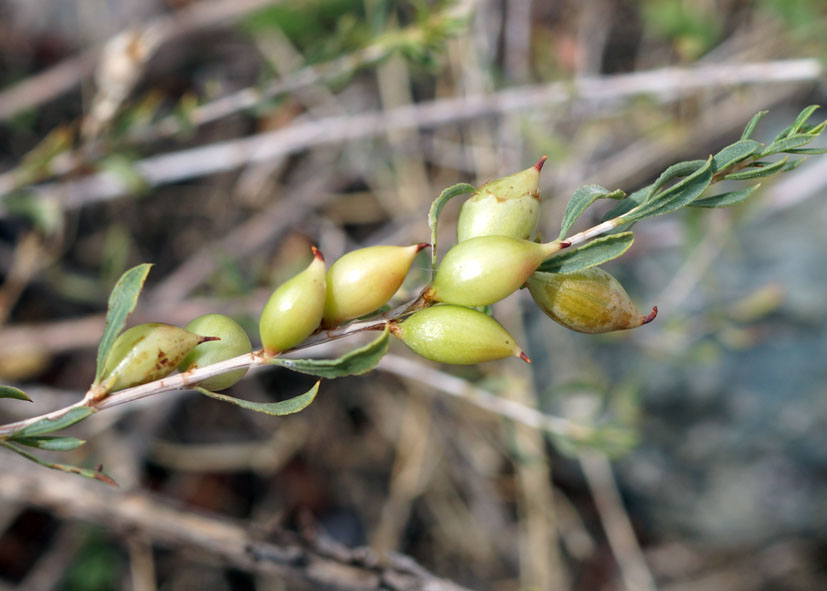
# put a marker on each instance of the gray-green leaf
(50, 443)
(734, 153)
(581, 200)
(85, 472)
(436, 209)
(279, 409)
(757, 171)
(589, 255)
(725, 199)
(678, 195)
(12, 392)
(753, 123)
(122, 301)
(788, 143)
(802, 119)
(354, 363)
(44, 426)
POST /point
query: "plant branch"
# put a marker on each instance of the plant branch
(309, 559)
(665, 85)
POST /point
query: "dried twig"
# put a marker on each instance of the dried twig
(312, 559)
(665, 85)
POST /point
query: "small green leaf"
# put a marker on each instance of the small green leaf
(589, 255)
(757, 171)
(753, 123)
(807, 151)
(725, 199)
(581, 200)
(788, 143)
(734, 153)
(792, 165)
(12, 392)
(85, 472)
(354, 363)
(48, 425)
(678, 195)
(285, 407)
(802, 119)
(122, 301)
(50, 443)
(436, 209)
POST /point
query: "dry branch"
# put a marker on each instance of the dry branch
(663, 85)
(311, 560)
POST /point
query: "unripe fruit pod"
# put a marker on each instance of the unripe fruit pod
(484, 270)
(295, 309)
(509, 206)
(362, 281)
(234, 342)
(589, 301)
(147, 352)
(458, 335)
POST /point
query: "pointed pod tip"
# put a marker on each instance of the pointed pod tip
(524, 357)
(650, 316)
(540, 162)
(422, 245)
(564, 244)
(207, 339)
(317, 254)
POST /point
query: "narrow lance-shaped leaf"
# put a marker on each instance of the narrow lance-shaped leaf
(436, 210)
(50, 443)
(594, 253)
(757, 171)
(678, 195)
(807, 151)
(285, 407)
(353, 363)
(12, 392)
(734, 153)
(122, 301)
(85, 472)
(753, 123)
(725, 199)
(802, 119)
(788, 143)
(49, 425)
(581, 200)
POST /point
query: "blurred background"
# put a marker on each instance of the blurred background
(220, 139)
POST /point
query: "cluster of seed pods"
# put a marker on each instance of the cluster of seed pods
(495, 255)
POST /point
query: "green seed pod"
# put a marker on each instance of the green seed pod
(453, 334)
(234, 342)
(509, 206)
(590, 301)
(364, 280)
(484, 270)
(147, 352)
(295, 309)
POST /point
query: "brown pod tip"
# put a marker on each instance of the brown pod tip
(207, 339)
(564, 244)
(540, 162)
(524, 357)
(317, 253)
(422, 245)
(649, 317)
